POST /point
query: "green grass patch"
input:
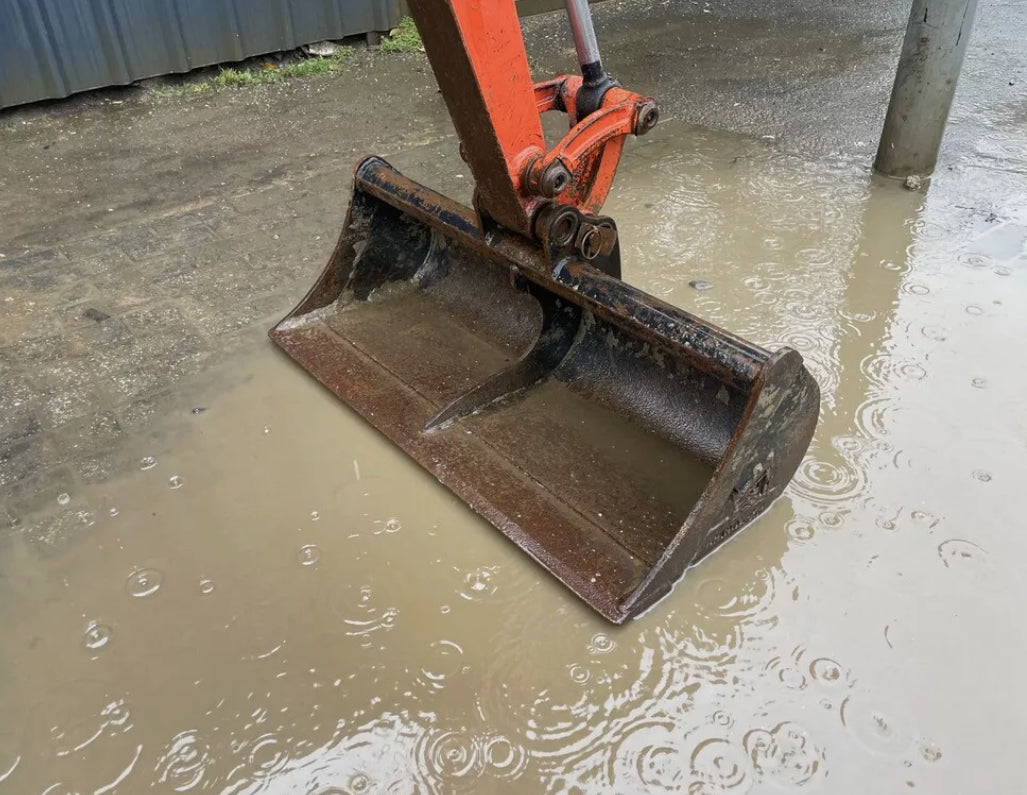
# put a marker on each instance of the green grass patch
(316, 65)
(340, 55)
(310, 66)
(273, 73)
(258, 75)
(182, 90)
(403, 38)
(232, 78)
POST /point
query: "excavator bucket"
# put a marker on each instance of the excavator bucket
(614, 438)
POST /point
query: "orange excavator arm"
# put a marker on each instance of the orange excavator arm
(477, 53)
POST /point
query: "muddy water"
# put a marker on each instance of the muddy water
(276, 600)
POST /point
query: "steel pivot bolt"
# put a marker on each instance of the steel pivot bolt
(563, 226)
(555, 180)
(647, 117)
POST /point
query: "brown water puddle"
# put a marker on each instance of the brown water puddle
(279, 601)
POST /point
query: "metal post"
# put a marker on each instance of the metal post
(925, 82)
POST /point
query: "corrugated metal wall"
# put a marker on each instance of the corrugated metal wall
(53, 48)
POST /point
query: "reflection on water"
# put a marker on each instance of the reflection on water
(304, 610)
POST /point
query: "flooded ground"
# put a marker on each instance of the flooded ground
(274, 599)
(214, 577)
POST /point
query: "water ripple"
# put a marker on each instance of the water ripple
(566, 720)
(797, 671)
(746, 600)
(308, 555)
(97, 636)
(966, 556)
(800, 530)
(144, 582)
(884, 368)
(451, 758)
(826, 482)
(10, 755)
(267, 755)
(444, 660)
(719, 765)
(79, 721)
(184, 762)
(503, 759)
(875, 415)
(649, 757)
(459, 760)
(479, 583)
(785, 754)
(601, 643)
(828, 673)
(360, 616)
(786, 673)
(878, 729)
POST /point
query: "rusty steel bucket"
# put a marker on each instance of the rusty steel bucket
(614, 438)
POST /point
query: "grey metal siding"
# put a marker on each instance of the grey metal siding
(53, 48)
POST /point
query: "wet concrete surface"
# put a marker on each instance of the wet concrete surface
(214, 576)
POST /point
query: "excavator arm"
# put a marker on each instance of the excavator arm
(478, 56)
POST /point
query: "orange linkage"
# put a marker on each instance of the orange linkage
(590, 151)
(477, 53)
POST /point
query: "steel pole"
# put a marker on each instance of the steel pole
(932, 55)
